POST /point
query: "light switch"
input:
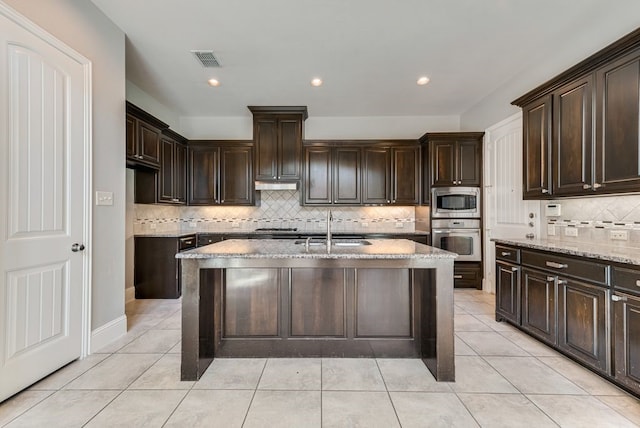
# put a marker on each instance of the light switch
(104, 198)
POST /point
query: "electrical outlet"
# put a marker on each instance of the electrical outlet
(570, 231)
(193, 224)
(363, 224)
(399, 225)
(551, 229)
(152, 226)
(619, 235)
(235, 224)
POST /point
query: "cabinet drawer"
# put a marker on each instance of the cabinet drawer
(507, 254)
(207, 238)
(626, 279)
(467, 275)
(583, 269)
(187, 242)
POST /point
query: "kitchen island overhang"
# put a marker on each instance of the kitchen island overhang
(273, 298)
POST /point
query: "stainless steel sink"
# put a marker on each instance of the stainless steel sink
(336, 242)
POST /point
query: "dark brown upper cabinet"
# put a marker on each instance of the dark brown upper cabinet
(536, 149)
(332, 175)
(172, 176)
(142, 138)
(361, 172)
(455, 158)
(572, 141)
(391, 174)
(221, 173)
(617, 167)
(277, 133)
(581, 129)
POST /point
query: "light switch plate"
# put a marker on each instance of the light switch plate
(551, 229)
(104, 198)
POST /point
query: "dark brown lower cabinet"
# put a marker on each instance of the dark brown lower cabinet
(582, 322)
(539, 304)
(626, 340)
(507, 292)
(156, 269)
(584, 307)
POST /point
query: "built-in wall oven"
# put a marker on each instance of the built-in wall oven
(455, 202)
(461, 236)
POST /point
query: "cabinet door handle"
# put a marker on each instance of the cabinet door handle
(586, 186)
(618, 298)
(557, 265)
(505, 253)
(514, 269)
(562, 281)
(545, 191)
(457, 276)
(551, 278)
(596, 186)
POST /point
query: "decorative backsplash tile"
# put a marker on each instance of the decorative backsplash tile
(597, 220)
(277, 209)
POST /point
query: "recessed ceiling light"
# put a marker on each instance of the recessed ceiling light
(423, 81)
(213, 82)
(316, 82)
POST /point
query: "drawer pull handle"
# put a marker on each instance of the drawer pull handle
(557, 265)
(457, 276)
(505, 253)
(618, 298)
(638, 282)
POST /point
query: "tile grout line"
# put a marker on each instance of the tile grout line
(386, 388)
(255, 391)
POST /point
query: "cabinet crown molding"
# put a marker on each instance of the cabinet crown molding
(280, 110)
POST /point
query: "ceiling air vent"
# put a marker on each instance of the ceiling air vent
(207, 59)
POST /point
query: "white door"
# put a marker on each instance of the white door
(506, 215)
(44, 143)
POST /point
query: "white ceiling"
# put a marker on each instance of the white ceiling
(368, 52)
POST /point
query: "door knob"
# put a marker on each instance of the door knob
(77, 247)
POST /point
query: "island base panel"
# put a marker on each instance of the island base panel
(423, 299)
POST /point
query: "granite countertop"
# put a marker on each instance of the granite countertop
(181, 233)
(619, 254)
(284, 249)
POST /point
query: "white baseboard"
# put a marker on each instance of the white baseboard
(104, 335)
(129, 294)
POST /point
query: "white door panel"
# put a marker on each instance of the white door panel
(507, 215)
(43, 118)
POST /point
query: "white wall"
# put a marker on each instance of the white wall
(316, 128)
(608, 24)
(149, 104)
(79, 24)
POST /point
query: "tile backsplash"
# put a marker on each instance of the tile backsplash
(277, 209)
(596, 220)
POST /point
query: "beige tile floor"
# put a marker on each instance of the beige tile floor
(503, 379)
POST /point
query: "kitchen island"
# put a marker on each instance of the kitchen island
(273, 298)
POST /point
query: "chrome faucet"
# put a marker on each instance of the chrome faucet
(329, 220)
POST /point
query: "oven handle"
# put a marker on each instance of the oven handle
(466, 231)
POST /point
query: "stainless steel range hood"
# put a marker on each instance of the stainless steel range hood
(276, 185)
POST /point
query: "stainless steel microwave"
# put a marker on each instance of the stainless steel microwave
(455, 202)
